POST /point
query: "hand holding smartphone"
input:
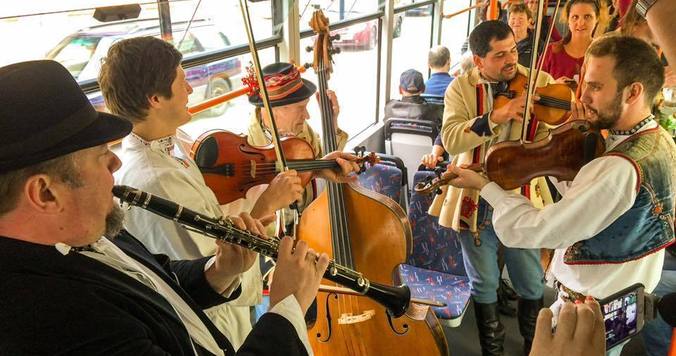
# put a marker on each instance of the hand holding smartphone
(579, 331)
(623, 314)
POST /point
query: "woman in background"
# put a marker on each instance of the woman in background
(563, 59)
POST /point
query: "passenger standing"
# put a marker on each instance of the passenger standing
(564, 59)
(471, 125)
(518, 19)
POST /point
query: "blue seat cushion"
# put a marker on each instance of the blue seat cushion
(442, 287)
(383, 179)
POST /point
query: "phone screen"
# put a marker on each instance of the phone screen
(621, 317)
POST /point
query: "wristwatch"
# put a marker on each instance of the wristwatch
(642, 6)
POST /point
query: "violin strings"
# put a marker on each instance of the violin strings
(554, 102)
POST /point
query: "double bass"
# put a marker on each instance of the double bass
(367, 231)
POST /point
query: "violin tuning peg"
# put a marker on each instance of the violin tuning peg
(307, 65)
(309, 49)
(335, 51)
(334, 37)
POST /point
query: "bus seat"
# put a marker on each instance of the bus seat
(435, 269)
(409, 140)
(383, 179)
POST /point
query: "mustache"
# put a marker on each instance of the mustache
(508, 67)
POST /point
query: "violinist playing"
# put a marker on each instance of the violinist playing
(289, 97)
(471, 125)
(617, 215)
(142, 81)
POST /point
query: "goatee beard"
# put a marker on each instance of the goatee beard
(607, 119)
(114, 222)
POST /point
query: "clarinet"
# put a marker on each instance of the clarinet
(395, 299)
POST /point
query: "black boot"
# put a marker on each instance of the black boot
(527, 313)
(491, 332)
(508, 290)
(503, 303)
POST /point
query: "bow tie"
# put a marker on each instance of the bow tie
(499, 88)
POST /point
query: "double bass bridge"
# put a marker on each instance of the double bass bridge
(349, 318)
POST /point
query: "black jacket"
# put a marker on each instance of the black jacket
(413, 107)
(51, 304)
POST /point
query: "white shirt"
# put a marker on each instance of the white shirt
(162, 168)
(601, 192)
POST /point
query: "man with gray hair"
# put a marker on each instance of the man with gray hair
(439, 61)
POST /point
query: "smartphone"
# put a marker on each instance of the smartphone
(623, 313)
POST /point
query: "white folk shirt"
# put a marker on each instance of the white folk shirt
(109, 254)
(162, 168)
(601, 192)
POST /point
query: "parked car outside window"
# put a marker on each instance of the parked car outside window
(82, 52)
(361, 36)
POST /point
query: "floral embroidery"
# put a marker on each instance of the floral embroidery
(468, 207)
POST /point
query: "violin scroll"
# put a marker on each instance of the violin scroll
(363, 158)
(443, 177)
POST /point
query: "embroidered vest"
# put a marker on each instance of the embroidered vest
(648, 225)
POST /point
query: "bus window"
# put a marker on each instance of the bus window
(354, 79)
(409, 50)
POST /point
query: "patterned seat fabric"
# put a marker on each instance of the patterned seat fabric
(441, 287)
(383, 179)
(434, 247)
(435, 270)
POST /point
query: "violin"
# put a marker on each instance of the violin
(231, 166)
(561, 155)
(554, 104)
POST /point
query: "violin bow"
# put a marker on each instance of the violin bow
(532, 72)
(263, 92)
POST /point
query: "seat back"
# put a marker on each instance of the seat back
(383, 179)
(394, 161)
(434, 99)
(409, 140)
(434, 247)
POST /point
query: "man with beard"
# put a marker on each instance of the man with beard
(617, 215)
(72, 283)
(471, 125)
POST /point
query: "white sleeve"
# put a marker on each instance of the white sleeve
(290, 310)
(164, 235)
(601, 192)
(561, 186)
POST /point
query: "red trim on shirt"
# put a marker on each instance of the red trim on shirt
(619, 262)
(476, 155)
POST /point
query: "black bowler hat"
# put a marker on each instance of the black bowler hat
(44, 115)
(284, 84)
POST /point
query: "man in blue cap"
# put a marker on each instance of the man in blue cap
(412, 105)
